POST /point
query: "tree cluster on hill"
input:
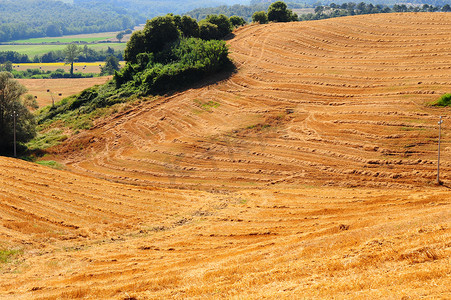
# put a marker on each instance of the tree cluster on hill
(244, 11)
(170, 53)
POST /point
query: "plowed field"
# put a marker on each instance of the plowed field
(308, 173)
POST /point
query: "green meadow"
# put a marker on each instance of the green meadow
(63, 40)
(32, 50)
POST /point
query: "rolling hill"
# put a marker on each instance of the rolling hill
(308, 172)
(335, 102)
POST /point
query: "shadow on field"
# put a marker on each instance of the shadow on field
(208, 80)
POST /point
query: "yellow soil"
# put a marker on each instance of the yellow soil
(306, 174)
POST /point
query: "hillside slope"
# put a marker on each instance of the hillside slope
(331, 102)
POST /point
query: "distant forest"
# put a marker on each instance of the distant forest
(49, 18)
(244, 11)
(322, 11)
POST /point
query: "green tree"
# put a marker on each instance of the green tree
(111, 65)
(260, 17)
(177, 20)
(30, 102)
(237, 21)
(7, 66)
(85, 51)
(120, 36)
(134, 46)
(71, 53)
(157, 33)
(278, 12)
(11, 104)
(223, 23)
(189, 27)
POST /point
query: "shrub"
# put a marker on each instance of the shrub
(444, 100)
(190, 60)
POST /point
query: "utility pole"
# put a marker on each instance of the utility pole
(14, 118)
(438, 159)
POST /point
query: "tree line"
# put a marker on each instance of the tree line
(257, 10)
(85, 54)
(351, 8)
(244, 11)
(314, 3)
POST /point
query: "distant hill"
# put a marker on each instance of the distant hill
(40, 18)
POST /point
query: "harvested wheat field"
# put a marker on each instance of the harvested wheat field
(307, 173)
(88, 238)
(59, 88)
(338, 102)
